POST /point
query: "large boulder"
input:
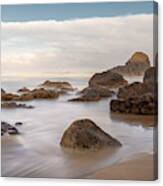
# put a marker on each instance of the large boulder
(58, 85)
(136, 65)
(85, 134)
(145, 105)
(107, 79)
(8, 128)
(23, 90)
(133, 90)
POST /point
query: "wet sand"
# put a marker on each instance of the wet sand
(140, 168)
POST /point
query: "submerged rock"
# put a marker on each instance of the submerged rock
(7, 128)
(107, 79)
(136, 65)
(10, 105)
(58, 85)
(93, 94)
(85, 134)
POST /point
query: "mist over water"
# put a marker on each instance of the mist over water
(36, 152)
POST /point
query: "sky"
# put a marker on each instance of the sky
(74, 38)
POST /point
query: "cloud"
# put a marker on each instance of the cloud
(74, 46)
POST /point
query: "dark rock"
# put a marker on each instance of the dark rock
(2, 91)
(85, 134)
(11, 105)
(7, 128)
(24, 89)
(145, 104)
(107, 79)
(18, 123)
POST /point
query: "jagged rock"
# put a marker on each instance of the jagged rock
(136, 65)
(107, 79)
(10, 105)
(58, 85)
(145, 104)
(85, 134)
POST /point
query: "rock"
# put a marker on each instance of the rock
(150, 75)
(24, 89)
(2, 91)
(10, 105)
(145, 104)
(136, 65)
(58, 85)
(107, 79)
(85, 134)
(133, 90)
(39, 93)
(93, 94)
(7, 128)
(18, 123)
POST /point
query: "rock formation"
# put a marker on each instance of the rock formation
(107, 79)
(24, 89)
(10, 105)
(85, 134)
(7, 128)
(136, 65)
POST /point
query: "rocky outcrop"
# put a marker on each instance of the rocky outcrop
(11, 105)
(85, 134)
(93, 94)
(136, 65)
(58, 85)
(145, 104)
(23, 90)
(39, 93)
(2, 91)
(133, 90)
(9, 129)
(107, 79)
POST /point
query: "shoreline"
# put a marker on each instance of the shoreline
(141, 167)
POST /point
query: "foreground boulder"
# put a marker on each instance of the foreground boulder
(136, 65)
(107, 79)
(85, 134)
(58, 85)
(93, 94)
(11, 105)
(145, 105)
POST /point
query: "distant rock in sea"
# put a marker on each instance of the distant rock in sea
(84, 134)
(11, 105)
(7, 128)
(58, 85)
(135, 66)
(24, 89)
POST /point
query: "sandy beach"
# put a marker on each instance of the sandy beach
(139, 168)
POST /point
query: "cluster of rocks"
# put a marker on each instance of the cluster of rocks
(85, 134)
(39, 93)
(9, 129)
(138, 98)
(135, 66)
(10, 105)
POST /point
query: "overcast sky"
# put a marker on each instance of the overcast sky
(73, 39)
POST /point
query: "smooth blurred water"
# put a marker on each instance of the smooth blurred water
(37, 151)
